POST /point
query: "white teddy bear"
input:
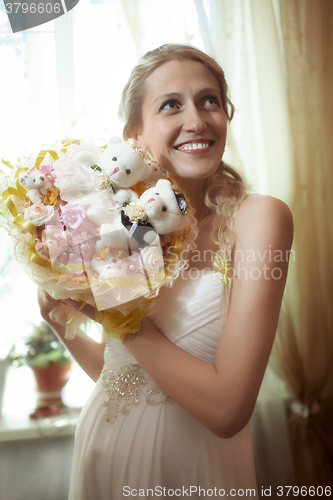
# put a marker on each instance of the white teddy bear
(110, 269)
(165, 209)
(126, 164)
(159, 210)
(35, 183)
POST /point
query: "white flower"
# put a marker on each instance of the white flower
(135, 211)
(38, 214)
(153, 260)
(102, 181)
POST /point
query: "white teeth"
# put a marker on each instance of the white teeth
(194, 145)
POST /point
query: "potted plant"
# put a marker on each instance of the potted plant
(49, 360)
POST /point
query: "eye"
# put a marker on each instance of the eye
(211, 100)
(114, 158)
(128, 171)
(157, 194)
(169, 105)
(164, 208)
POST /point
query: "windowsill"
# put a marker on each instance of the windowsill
(20, 401)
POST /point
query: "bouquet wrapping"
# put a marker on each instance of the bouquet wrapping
(98, 224)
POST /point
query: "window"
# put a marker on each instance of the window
(63, 80)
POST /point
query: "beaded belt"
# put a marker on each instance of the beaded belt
(126, 386)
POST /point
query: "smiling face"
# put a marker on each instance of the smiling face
(183, 123)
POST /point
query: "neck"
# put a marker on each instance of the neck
(195, 190)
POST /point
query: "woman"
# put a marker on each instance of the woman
(189, 430)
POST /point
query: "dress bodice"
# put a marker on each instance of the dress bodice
(188, 314)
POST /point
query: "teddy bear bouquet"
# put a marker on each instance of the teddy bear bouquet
(99, 225)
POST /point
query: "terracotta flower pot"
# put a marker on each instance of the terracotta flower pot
(51, 380)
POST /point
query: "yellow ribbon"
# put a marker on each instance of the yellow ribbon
(7, 163)
(176, 244)
(67, 144)
(22, 192)
(60, 268)
(106, 252)
(8, 201)
(77, 312)
(156, 281)
(36, 259)
(19, 170)
(117, 325)
(114, 282)
(222, 267)
(68, 268)
(42, 155)
(20, 221)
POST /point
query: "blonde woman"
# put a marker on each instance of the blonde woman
(203, 349)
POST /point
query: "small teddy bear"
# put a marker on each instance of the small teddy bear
(110, 269)
(126, 164)
(35, 183)
(165, 209)
(159, 210)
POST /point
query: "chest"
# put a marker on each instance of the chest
(202, 257)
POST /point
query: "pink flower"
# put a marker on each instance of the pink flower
(72, 215)
(46, 169)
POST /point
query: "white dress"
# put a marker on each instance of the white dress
(158, 449)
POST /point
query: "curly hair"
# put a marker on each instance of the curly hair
(225, 189)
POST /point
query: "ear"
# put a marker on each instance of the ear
(139, 138)
(164, 183)
(114, 140)
(136, 133)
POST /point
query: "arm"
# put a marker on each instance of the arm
(88, 353)
(222, 395)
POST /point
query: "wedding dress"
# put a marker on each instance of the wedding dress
(133, 440)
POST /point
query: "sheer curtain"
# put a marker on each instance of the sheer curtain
(305, 343)
(278, 57)
(245, 39)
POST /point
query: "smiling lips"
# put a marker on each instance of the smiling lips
(195, 147)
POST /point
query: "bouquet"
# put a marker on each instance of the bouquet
(98, 224)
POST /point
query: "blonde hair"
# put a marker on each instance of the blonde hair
(225, 189)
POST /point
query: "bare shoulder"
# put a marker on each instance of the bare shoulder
(266, 216)
(263, 207)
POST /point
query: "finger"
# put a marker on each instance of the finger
(86, 309)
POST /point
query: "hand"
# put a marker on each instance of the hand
(88, 310)
(46, 303)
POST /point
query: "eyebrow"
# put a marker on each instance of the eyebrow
(173, 95)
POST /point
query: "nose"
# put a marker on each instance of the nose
(194, 121)
(115, 170)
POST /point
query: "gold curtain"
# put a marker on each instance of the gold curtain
(303, 352)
